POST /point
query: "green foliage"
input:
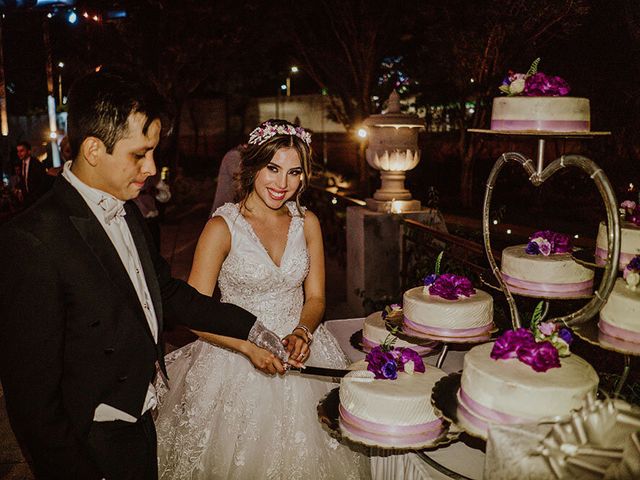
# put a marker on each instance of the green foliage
(533, 69)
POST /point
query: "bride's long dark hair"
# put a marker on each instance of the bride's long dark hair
(257, 156)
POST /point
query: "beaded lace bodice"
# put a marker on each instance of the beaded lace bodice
(249, 277)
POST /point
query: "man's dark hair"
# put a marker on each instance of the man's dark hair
(100, 104)
(24, 144)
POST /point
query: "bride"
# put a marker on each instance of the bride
(223, 418)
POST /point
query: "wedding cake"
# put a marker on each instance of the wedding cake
(508, 391)
(536, 102)
(374, 333)
(544, 267)
(629, 243)
(448, 306)
(620, 317)
(389, 412)
(550, 114)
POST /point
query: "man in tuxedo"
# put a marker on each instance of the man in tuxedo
(35, 181)
(84, 297)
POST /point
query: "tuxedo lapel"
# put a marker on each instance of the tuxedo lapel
(99, 243)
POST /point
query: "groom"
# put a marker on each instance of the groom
(84, 296)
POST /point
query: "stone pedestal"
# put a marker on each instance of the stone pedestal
(374, 257)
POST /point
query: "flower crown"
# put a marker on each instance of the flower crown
(267, 130)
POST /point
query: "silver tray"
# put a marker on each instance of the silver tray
(329, 417)
(356, 342)
(445, 399)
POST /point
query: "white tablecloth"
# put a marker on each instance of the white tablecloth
(456, 457)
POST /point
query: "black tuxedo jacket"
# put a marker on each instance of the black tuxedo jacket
(72, 331)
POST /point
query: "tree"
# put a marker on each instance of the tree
(340, 44)
(466, 48)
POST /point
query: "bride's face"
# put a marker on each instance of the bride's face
(280, 179)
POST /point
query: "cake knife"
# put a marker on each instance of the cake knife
(320, 371)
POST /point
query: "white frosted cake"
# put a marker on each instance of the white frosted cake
(511, 392)
(393, 413)
(620, 317)
(433, 315)
(374, 333)
(556, 275)
(629, 243)
(552, 114)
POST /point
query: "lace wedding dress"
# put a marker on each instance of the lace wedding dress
(222, 418)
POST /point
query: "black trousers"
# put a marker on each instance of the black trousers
(126, 451)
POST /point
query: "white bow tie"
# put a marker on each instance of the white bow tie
(113, 209)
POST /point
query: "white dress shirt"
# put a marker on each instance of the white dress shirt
(120, 235)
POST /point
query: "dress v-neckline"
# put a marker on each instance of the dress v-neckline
(255, 236)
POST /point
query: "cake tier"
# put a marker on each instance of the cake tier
(552, 114)
(536, 274)
(620, 317)
(396, 413)
(629, 243)
(509, 391)
(374, 333)
(431, 314)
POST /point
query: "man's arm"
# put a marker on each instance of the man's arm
(32, 321)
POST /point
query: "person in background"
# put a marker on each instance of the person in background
(35, 181)
(155, 190)
(226, 185)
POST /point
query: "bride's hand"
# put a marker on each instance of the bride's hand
(298, 349)
(263, 360)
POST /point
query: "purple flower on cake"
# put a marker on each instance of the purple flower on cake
(429, 279)
(534, 83)
(565, 335)
(539, 356)
(631, 211)
(542, 85)
(548, 328)
(508, 344)
(631, 273)
(387, 364)
(451, 287)
(547, 242)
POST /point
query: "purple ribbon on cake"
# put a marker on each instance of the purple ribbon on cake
(550, 288)
(488, 413)
(625, 258)
(380, 433)
(617, 332)
(543, 125)
(448, 332)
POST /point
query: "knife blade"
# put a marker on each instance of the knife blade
(320, 371)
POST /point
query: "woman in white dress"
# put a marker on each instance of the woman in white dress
(224, 417)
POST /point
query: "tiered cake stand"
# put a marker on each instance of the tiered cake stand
(584, 320)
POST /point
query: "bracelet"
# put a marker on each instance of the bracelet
(306, 331)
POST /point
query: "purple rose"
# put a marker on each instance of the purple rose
(410, 355)
(542, 85)
(634, 264)
(539, 356)
(389, 370)
(429, 279)
(634, 216)
(508, 344)
(377, 359)
(561, 243)
(532, 248)
(549, 242)
(450, 287)
(565, 334)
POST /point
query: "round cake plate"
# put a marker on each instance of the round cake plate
(538, 133)
(588, 259)
(590, 333)
(490, 281)
(445, 399)
(356, 342)
(329, 416)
